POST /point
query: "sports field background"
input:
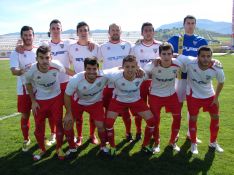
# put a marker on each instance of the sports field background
(129, 159)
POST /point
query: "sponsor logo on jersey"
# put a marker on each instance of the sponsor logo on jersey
(48, 84)
(79, 59)
(199, 82)
(115, 58)
(58, 53)
(146, 60)
(164, 80)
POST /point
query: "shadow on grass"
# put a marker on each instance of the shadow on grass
(90, 161)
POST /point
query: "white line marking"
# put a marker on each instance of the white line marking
(9, 116)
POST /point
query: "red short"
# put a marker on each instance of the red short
(24, 103)
(135, 107)
(194, 104)
(144, 89)
(95, 110)
(50, 108)
(171, 104)
(63, 88)
(107, 96)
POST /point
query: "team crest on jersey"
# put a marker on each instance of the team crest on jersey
(77, 49)
(25, 55)
(142, 50)
(38, 77)
(137, 83)
(84, 88)
(208, 77)
(194, 70)
(123, 47)
(123, 84)
(62, 46)
(195, 43)
(159, 71)
(54, 74)
(108, 48)
(99, 84)
(155, 50)
(174, 71)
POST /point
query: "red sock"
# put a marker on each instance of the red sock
(91, 127)
(109, 123)
(156, 133)
(102, 136)
(70, 138)
(214, 129)
(175, 127)
(138, 122)
(193, 130)
(149, 128)
(25, 125)
(127, 121)
(59, 133)
(52, 125)
(40, 134)
(79, 123)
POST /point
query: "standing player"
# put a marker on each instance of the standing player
(112, 54)
(187, 45)
(44, 89)
(78, 52)
(89, 87)
(127, 96)
(162, 92)
(19, 64)
(145, 51)
(201, 94)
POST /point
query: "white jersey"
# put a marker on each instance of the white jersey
(59, 51)
(22, 61)
(200, 81)
(145, 53)
(163, 79)
(113, 54)
(88, 93)
(46, 85)
(124, 90)
(78, 53)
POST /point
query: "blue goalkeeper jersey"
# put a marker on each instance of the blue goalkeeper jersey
(191, 43)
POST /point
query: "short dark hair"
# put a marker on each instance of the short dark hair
(54, 21)
(204, 48)
(189, 17)
(91, 60)
(81, 24)
(129, 58)
(43, 49)
(146, 24)
(165, 46)
(25, 28)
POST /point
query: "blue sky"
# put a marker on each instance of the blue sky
(130, 14)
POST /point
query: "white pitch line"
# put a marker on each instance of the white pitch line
(9, 116)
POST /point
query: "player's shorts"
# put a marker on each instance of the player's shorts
(135, 107)
(24, 103)
(51, 107)
(194, 105)
(144, 89)
(96, 110)
(180, 86)
(63, 88)
(107, 96)
(171, 104)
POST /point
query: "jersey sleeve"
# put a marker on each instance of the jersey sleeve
(174, 42)
(99, 54)
(57, 64)
(112, 73)
(72, 85)
(28, 75)
(219, 71)
(14, 60)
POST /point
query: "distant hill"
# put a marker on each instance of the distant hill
(218, 27)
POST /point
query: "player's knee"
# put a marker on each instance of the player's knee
(109, 122)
